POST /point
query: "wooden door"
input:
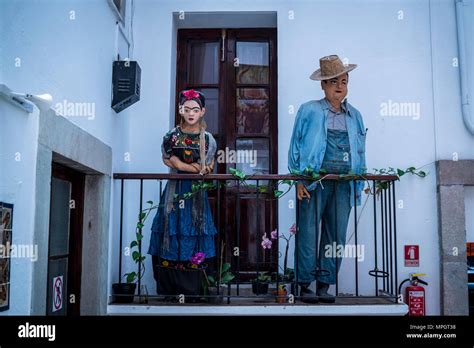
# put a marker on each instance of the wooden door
(236, 70)
(65, 241)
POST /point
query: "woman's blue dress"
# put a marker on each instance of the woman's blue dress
(186, 235)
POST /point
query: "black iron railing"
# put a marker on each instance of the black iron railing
(383, 270)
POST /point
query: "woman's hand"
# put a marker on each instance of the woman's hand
(180, 165)
(196, 166)
(168, 163)
(208, 169)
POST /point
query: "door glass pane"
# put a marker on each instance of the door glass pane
(57, 287)
(212, 109)
(253, 157)
(252, 110)
(60, 212)
(253, 65)
(203, 62)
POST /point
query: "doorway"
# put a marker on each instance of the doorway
(65, 241)
(236, 69)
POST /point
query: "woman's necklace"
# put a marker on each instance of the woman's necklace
(193, 131)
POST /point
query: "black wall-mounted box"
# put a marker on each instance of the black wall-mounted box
(126, 76)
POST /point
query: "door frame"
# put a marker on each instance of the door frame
(76, 217)
(227, 106)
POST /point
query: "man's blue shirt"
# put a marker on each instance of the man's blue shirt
(309, 139)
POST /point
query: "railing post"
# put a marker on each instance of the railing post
(297, 238)
(317, 235)
(121, 231)
(238, 234)
(140, 241)
(386, 238)
(258, 234)
(375, 241)
(355, 235)
(395, 237)
(390, 234)
(219, 240)
(178, 215)
(337, 234)
(382, 231)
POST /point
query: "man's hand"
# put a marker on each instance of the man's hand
(302, 192)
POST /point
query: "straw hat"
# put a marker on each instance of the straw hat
(331, 67)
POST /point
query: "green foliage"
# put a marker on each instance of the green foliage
(223, 278)
(137, 256)
(237, 173)
(263, 277)
(383, 185)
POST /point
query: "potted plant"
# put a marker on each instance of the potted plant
(223, 277)
(287, 277)
(125, 292)
(260, 284)
(183, 278)
(281, 293)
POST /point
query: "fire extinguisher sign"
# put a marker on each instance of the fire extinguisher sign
(416, 303)
(412, 256)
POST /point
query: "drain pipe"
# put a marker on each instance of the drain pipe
(468, 122)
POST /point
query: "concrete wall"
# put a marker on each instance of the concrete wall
(17, 177)
(66, 49)
(404, 49)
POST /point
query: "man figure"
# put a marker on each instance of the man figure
(328, 134)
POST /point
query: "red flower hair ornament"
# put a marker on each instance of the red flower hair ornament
(191, 94)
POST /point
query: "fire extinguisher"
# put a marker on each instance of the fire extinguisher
(414, 294)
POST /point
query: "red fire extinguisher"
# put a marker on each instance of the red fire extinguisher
(415, 294)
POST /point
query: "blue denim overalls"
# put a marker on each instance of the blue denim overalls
(333, 204)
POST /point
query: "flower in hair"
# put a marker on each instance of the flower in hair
(191, 94)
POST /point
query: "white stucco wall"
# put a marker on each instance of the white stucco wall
(66, 49)
(405, 59)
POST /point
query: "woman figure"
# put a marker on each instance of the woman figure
(183, 227)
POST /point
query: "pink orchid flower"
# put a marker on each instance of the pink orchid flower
(274, 234)
(266, 243)
(293, 229)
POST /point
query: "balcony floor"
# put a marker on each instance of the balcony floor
(263, 305)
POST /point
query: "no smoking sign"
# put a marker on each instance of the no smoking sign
(57, 293)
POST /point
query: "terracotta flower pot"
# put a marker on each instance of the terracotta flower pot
(280, 295)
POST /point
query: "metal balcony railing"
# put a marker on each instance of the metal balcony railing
(383, 269)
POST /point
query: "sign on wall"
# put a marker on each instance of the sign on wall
(57, 293)
(412, 256)
(6, 218)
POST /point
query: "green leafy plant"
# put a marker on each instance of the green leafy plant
(383, 185)
(263, 277)
(137, 256)
(224, 277)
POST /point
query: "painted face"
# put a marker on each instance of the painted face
(336, 89)
(192, 112)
